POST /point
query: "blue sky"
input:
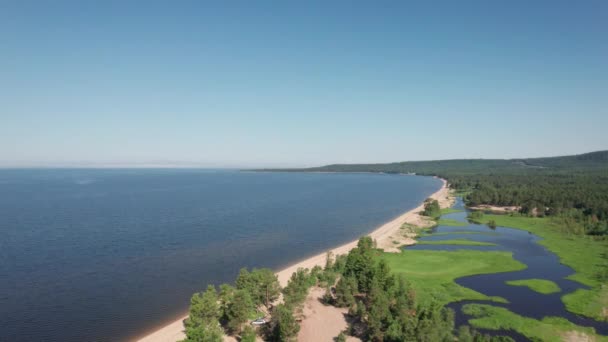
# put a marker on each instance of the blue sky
(297, 83)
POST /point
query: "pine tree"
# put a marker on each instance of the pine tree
(284, 325)
(204, 309)
(238, 310)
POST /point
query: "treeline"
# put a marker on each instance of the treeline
(573, 188)
(382, 306)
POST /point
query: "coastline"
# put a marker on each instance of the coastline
(384, 236)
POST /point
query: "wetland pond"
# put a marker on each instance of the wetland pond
(541, 264)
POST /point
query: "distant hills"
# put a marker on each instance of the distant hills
(587, 162)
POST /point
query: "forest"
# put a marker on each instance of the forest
(570, 188)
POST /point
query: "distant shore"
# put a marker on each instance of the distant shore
(385, 236)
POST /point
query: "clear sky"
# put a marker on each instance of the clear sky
(297, 83)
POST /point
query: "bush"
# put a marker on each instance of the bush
(284, 326)
(248, 334)
(431, 208)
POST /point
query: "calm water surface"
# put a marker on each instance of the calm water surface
(106, 255)
(541, 264)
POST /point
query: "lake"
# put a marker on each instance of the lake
(107, 255)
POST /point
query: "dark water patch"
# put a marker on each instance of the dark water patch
(541, 263)
(106, 255)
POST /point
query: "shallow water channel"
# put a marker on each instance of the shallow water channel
(541, 263)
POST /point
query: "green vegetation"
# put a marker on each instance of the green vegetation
(593, 303)
(475, 216)
(431, 208)
(238, 310)
(212, 314)
(492, 224)
(456, 242)
(384, 306)
(297, 287)
(248, 334)
(284, 325)
(261, 285)
(467, 232)
(463, 192)
(548, 329)
(446, 211)
(202, 324)
(451, 223)
(588, 256)
(539, 285)
(432, 273)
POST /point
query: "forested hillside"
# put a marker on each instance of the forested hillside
(570, 187)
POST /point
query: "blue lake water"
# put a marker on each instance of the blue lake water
(107, 255)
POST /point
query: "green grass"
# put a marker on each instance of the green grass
(459, 232)
(539, 285)
(432, 273)
(456, 242)
(588, 258)
(592, 302)
(547, 329)
(452, 223)
(446, 211)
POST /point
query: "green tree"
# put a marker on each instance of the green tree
(225, 298)
(345, 291)
(379, 314)
(238, 310)
(383, 275)
(492, 224)
(329, 260)
(476, 216)
(297, 287)
(268, 288)
(204, 309)
(203, 333)
(360, 264)
(431, 208)
(261, 284)
(435, 323)
(284, 325)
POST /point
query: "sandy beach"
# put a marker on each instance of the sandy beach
(388, 236)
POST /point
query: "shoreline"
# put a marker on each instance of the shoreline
(173, 331)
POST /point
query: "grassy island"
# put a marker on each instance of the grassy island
(451, 223)
(456, 242)
(432, 273)
(539, 285)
